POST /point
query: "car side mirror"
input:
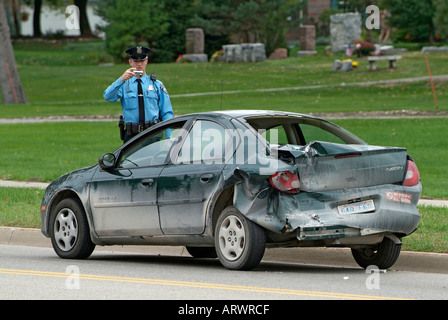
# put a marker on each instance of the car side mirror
(107, 161)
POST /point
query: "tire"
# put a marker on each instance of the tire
(239, 243)
(202, 252)
(69, 231)
(383, 255)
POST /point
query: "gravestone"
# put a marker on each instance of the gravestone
(195, 45)
(232, 53)
(246, 52)
(347, 66)
(253, 52)
(337, 64)
(194, 41)
(279, 53)
(345, 28)
(307, 40)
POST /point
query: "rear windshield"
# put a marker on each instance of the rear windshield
(300, 130)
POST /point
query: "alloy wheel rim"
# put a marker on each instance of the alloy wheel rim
(66, 229)
(231, 238)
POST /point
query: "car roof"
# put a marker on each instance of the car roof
(250, 113)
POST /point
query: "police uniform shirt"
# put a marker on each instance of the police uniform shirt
(156, 99)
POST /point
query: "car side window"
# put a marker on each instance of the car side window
(151, 150)
(205, 143)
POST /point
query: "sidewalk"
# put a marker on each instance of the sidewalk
(329, 257)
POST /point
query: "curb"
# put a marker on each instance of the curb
(330, 257)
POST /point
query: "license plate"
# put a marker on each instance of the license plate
(357, 207)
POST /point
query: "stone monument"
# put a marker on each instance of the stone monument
(232, 53)
(246, 52)
(194, 40)
(345, 28)
(195, 45)
(279, 53)
(307, 40)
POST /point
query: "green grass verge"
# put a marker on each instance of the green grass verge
(432, 232)
(20, 207)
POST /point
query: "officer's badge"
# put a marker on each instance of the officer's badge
(139, 50)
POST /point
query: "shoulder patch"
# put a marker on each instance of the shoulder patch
(162, 87)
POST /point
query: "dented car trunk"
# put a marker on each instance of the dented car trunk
(349, 195)
(324, 166)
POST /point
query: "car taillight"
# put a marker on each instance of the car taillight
(285, 181)
(412, 175)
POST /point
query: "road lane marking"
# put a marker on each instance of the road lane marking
(280, 291)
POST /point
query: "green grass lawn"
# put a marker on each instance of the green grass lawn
(42, 151)
(61, 81)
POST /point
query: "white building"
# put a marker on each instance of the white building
(55, 20)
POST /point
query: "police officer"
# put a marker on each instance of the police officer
(144, 99)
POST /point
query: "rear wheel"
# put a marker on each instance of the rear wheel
(239, 243)
(383, 255)
(69, 231)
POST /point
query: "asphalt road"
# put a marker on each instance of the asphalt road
(30, 273)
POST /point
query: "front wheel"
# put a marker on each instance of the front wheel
(239, 243)
(383, 255)
(69, 231)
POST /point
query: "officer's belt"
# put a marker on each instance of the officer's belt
(134, 128)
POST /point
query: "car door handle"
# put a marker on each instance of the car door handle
(147, 183)
(207, 177)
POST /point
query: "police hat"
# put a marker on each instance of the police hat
(138, 53)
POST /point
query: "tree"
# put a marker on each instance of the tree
(84, 25)
(276, 17)
(170, 45)
(11, 87)
(412, 18)
(37, 31)
(441, 17)
(261, 20)
(132, 22)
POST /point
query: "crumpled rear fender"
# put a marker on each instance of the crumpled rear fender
(315, 216)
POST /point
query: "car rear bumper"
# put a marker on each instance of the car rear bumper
(315, 216)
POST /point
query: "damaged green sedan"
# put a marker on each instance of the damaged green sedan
(229, 184)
